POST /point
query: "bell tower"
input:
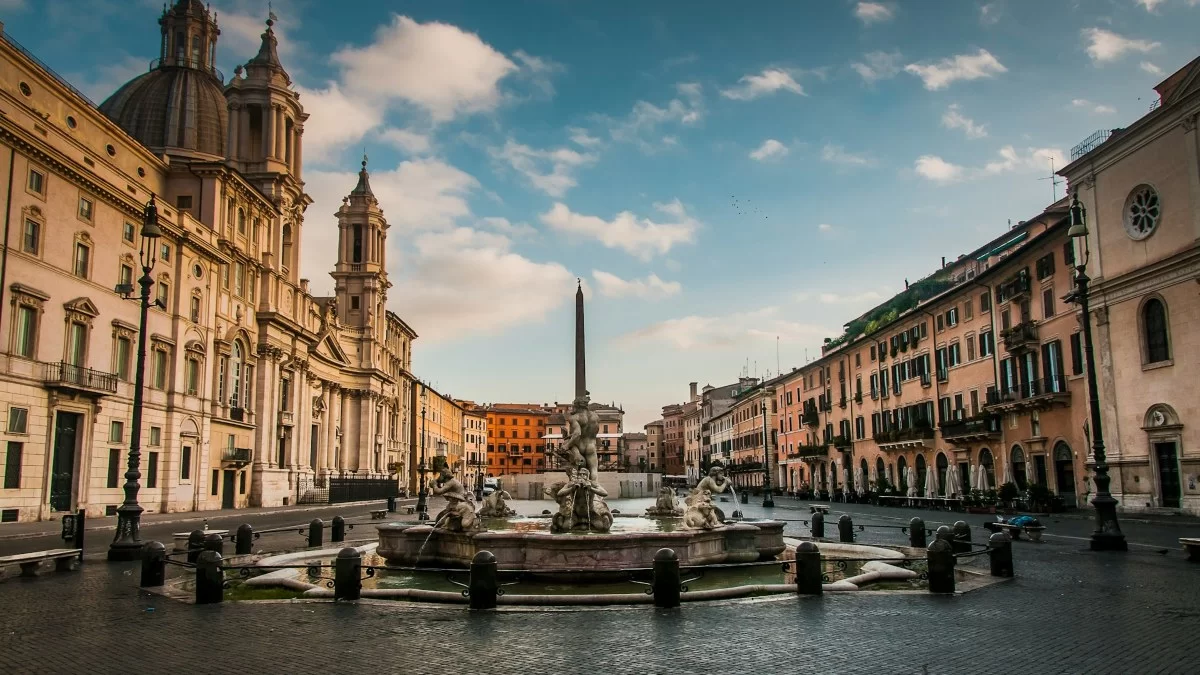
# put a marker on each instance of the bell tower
(189, 37)
(360, 276)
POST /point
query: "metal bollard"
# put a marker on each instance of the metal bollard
(214, 542)
(818, 525)
(666, 581)
(962, 537)
(1000, 553)
(347, 574)
(154, 564)
(916, 533)
(808, 569)
(483, 587)
(944, 532)
(210, 578)
(338, 531)
(940, 557)
(846, 528)
(745, 497)
(195, 545)
(315, 532)
(391, 504)
(244, 541)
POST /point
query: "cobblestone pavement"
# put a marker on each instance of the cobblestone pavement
(1068, 611)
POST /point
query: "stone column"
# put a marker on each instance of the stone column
(280, 141)
(243, 146)
(297, 158)
(234, 123)
(343, 419)
(331, 412)
(268, 131)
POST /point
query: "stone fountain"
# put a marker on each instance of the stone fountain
(578, 540)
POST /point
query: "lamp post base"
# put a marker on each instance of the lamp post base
(127, 545)
(1104, 541)
(768, 501)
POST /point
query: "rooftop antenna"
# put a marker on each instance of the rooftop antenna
(1054, 182)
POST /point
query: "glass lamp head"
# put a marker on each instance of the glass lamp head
(150, 228)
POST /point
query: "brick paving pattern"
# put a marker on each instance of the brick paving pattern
(1068, 611)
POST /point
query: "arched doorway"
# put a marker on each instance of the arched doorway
(1064, 471)
(921, 471)
(862, 476)
(942, 466)
(821, 478)
(902, 474)
(880, 472)
(1164, 434)
(989, 468)
(833, 478)
(1017, 456)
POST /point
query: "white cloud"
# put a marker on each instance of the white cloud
(652, 287)
(836, 154)
(582, 138)
(242, 24)
(841, 299)
(433, 66)
(1150, 68)
(641, 125)
(551, 171)
(872, 12)
(1150, 4)
(989, 13)
(877, 66)
(508, 227)
(1096, 108)
(731, 330)
(538, 70)
(640, 237)
(953, 119)
(1105, 45)
(937, 169)
(960, 67)
(336, 120)
(410, 141)
(111, 76)
(770, 149)
(769, 81)
(825, 227)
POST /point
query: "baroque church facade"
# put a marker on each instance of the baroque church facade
(256, 391)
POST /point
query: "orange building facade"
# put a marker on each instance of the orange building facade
(515, 443)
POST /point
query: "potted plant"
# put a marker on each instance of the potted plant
(1008, 493)
(1038, 497)
(980, 504)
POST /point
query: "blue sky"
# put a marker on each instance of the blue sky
(719, 174)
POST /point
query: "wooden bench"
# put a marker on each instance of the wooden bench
(1014, 531)
(379, 514)
(1192, 546)
(823, 508)
(410, 510)
(65, 559)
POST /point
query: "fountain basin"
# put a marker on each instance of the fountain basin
(583, 554)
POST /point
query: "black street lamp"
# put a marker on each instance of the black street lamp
(422, 506)
(127, 544)
(1107, 535)
(768, 498)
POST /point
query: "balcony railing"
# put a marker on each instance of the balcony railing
(1020, 336)
(975, 427)
(810, 418)
(904, 435)
(744, 467)
(803, 451)
(1015, 287)
(1090, 143)
(841, 441)
(67, 376)
(236, 455)
(1038, 393)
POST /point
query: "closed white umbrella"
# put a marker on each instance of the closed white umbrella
(951, 481)
(874, 477)
(862, 481)
(973, 477)
(982, 480)
(930, 482)
(910, 477)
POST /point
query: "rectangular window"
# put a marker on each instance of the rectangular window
(1045, 266)
(952, 317)
(126, 276)
(968, 309)
(1069, 254)
(185, 463)
(116, 432)
(858, 360)
(239, 279)
(194, 310)
(941, 323)
(32, 241)
(944, 408)
(985, 302)
(221, 365)
(872, 352)
(955, 354)
(86, 209)
(164, 293)
(183, 202)
(987, 344)
(114, 467)
(1076, 353)
(974, 402)
(242, 482)
(216, 478)
(883, 383)
(160, 369)
(959, 413)
(152, 470)
(18, 420)
(127, 231)
(82, 256)
(1052, 366)
(37, 182)
(285, 396)
(26, 333)
(155, 436)
(12, 465)
(354, 302)
(1048, 302)
(164, 253)
(942, 358)
(356, 247)
(225, 277)
(193, 377)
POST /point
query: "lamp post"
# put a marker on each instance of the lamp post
(422, 506)
(1107, 535)
(768, 498)
(127, 544)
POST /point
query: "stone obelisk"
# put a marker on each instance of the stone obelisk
(580, 367)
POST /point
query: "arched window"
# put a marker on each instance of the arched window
(1154, 331)
(1064, 469)
(880, 472)
(988, 464)
(235, 375)
(286, 257)
(862, 475)
(1018, 467)
(942, 467)
(241, 221)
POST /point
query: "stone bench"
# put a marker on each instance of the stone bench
(65, 559)
(1014, 531)
(823, 508)
(1192, 546)
(379, 514)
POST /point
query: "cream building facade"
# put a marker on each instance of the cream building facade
(257, 392)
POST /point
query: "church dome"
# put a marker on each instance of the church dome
(172, 107)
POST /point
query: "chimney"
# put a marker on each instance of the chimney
(943, 262)
(692, 390)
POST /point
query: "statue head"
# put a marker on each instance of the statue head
(581, 402)
(716, 471)
(582, 473)
(444, 473)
